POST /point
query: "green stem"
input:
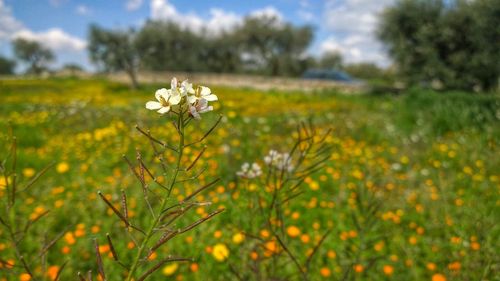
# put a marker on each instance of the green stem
(151, 230)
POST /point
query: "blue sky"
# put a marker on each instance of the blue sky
(346, 26)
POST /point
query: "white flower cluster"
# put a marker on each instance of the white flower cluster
(180, 95)
(249, 171)
(281, 161)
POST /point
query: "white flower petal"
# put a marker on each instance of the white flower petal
(202, 103)
(194, 113)
(153, 105)
(211, 97)
(173, 83)
(206, 109)
(164, 110)
(205, 91)
(174, 99)
(187, 87)
(191, 99)
(161, 93)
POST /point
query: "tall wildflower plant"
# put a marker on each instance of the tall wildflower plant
(271, 187)
(22, 260)
(183, 105)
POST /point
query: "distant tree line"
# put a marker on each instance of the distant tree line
(448, 44)
(444, 43)
(263, 45)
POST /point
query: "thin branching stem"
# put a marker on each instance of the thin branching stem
(156, 221)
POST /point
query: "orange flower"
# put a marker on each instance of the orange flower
(95, 229)
(305, 238)
(359, 268)
(194, 267)
(52, 272)
(475, 246)
(431, 266)
(254, 255)
(438, 277)
(25, 277)
(209, 249)
(344, 235)
(455, 266)
(331, 254)
(152, 256)
(79, 232)
(103, 249)
(271, 247)
(325, 272)
(388, 269)
(293, 231)
(412, 240)
(66, 250)
(379, 246)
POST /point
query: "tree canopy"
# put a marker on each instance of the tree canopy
(263, 45)
(453, 44)
(6, 66)
(114, 50)
(33, 54)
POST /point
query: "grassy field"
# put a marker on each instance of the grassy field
(410, 190)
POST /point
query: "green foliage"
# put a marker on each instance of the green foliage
(452, 44)
(440, 114)
(114, 50)
(167, 46)
(274, 46)
(368, 71)
(399, 153)
(32, 53)
(262, 45)
(6, 66)
(332, 60)
(72, 69)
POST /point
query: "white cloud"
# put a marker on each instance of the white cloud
(353, 15)
(82, 10)
(267, 12)
(355, 49)
(8, 24)
(221, 20)
(352, 24)
(133, 5)
(218, 21)
(162, 9)
(54, 38)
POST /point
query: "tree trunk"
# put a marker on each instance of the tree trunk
(133, 78)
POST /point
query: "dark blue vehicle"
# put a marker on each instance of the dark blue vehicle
(329, 74)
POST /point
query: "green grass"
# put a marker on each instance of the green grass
(430, 158)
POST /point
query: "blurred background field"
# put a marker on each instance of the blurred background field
(432, 160)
